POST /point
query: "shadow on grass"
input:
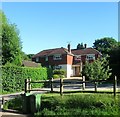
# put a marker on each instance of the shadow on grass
(66, 92)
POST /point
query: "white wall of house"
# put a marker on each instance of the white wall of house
(73, 68)
(68, 68)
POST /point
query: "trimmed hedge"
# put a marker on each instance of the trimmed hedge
(13, 77)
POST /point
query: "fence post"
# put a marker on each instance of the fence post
(95, 86)
(83, 85)
(26, 85)
(3, 101)
(29, 85)
(61, 86)
(51, 84)
(115, 85)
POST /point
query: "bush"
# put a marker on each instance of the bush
(13, 77)
(59, 73)
(15, 104)
(50, 73)
(56, 76)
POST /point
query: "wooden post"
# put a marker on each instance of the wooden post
(61, 86)
(115, 85)
(29, 85)
(51, 84)
(83, 85)
(95, 86)
(3, 101)
(26, 85)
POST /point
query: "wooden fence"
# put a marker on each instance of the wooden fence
(61, 82)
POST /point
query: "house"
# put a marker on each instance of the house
(26, 63)
(71, 60)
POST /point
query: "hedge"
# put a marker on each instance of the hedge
(13, 77)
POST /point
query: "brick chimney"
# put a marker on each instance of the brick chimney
(69, 49)
(85, 45)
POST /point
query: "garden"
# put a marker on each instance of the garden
(52, 104)
(79, 104)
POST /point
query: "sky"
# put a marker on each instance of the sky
(47, 25)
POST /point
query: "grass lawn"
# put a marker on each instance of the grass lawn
(80, 104)
(77, 104)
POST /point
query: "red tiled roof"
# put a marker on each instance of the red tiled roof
(58, 51)
(65, 51)
(52, 52)
(85, 51)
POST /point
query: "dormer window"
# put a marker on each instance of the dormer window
(90, 56)
(57, 57)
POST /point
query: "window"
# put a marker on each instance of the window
(90, 57)
(78, 57)
(37, 59)
(46, 58)
(57, 67)
(57, 57)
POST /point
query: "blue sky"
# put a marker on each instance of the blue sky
(52, 25)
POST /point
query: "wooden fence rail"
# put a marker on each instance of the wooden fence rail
(67, 83)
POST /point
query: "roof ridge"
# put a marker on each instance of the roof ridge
(97, 51)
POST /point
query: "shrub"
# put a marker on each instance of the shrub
(50, 73)
(15, 104)
(59, 73)
(62, 76)
(56, 76)
(13, 77)
(97, 70)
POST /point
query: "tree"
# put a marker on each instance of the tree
(11, 44)
(97, 70)
(30, 56)
(104, 45)
(115, 60)
(24, 56)
(111, 47)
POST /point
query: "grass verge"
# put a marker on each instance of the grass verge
(79, 104)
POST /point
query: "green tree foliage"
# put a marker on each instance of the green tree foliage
(24, 56)
(104, 45)
(97, 70)
(30, 56)
(111, 47)
(11, 44)
(0, 38)
(115, 60)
